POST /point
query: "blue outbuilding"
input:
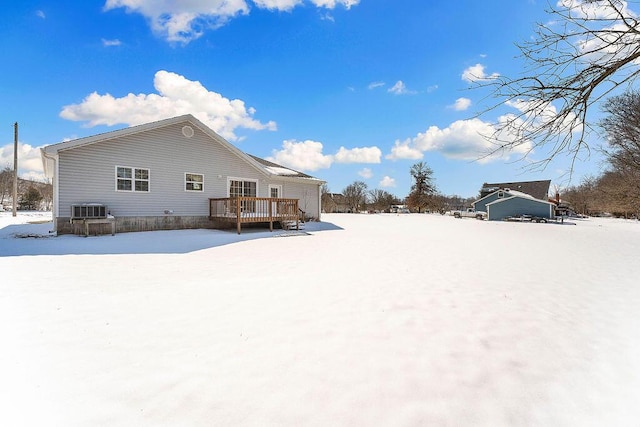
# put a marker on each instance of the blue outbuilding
(506, 203)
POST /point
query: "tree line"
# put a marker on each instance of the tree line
(585, 56)
(423, 197)
(617, 189)
(32, 195)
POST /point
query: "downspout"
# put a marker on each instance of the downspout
(319, 203)
(54, 181)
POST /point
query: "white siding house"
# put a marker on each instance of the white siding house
(161, 175)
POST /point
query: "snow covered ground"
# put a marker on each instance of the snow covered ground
(367, 320)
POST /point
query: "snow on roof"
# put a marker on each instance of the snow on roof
(280, 170)
(513, 194)
(520, 194)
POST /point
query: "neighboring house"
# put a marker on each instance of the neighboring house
(537, 189)
(481, 204)
(334, 203)
(162, 175)
(506, 203)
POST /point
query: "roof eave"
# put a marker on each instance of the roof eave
(131, 130)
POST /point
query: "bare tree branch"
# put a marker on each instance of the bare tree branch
(590, 49)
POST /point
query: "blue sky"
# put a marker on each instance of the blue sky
(344, 90)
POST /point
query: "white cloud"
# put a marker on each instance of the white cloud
(301, 155)
(185, 20)
(404, 150)
(308, 156)
(613, 42)
(476, 73)
(400, 89)
(358, 155)
(176, 96)
(182, 21)
(461, 104)
(593, 10)
(32, 175)
(366, 173)
(374, 85)
(387, 182)
(40, 14)
(462, 140)
(534, 114)
(29, 161)
(331, 4)
(108, 43)
(284, 5)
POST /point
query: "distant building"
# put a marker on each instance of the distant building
(536, 189)
(334, 203)
(506, 203)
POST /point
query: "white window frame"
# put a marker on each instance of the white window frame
(187, 182)
(233, 178)
(133, 179)
(276, 186)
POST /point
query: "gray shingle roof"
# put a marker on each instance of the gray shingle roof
(537, 189)
(269, 164)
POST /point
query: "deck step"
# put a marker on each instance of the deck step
(291, 225)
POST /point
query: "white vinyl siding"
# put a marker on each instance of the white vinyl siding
(167, 154)
(308, 196)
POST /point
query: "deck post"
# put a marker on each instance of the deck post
(238, 226)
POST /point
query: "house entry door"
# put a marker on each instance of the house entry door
(275, 192)
(244, 188)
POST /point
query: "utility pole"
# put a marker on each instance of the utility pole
(15, 169)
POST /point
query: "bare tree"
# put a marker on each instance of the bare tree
(622, 127)
(6, 183)
(582, 197)
(381, 199)
(47, 194)
(457, 202)
(621, 183)
(586, 50)
(355, 195)
(324, 189)
(423, 189)
(619, 195)
(325, 199)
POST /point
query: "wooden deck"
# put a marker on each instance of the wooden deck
(243, 210)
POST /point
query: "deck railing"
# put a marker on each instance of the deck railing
(254, 209)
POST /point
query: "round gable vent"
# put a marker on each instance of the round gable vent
(187, 131)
